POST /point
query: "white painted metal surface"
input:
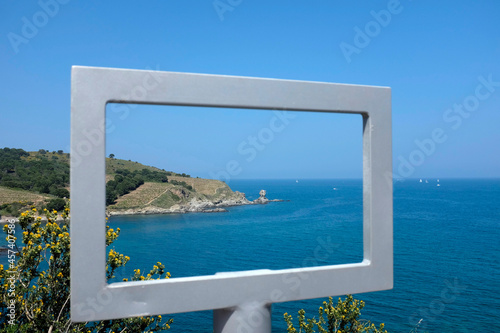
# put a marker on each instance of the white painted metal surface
(240, 298)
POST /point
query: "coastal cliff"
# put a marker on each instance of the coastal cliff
(131, 187)
(193, 195)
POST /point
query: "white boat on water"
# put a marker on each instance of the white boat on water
(420, 179)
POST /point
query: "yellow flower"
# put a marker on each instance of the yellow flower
(125, 279)
(60, 275)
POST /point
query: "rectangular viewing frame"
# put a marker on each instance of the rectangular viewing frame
(92, 298)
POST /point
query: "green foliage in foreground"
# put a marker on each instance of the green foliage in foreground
(340, 318)
(36, 287)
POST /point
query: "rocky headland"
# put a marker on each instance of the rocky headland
(197, 195)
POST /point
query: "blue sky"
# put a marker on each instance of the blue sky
(441, 61)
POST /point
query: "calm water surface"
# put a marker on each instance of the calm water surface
(446, 247)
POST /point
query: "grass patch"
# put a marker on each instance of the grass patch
(142, 196)
(166, 200)
(9, 195)
(113, 164)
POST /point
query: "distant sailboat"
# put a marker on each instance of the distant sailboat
(420, 179)
(426, 181)
(296, 181)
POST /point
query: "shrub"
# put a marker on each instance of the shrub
(341, 318)
(183, 184)
(59, 192)
(56, 204)
(37, 284)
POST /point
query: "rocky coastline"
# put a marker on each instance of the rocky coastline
(197, 205)
(190, 204)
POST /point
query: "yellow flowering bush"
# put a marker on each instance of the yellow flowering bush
(36, 283)
(341, 318)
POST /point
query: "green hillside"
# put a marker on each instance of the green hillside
(41, 172)
(41, 179)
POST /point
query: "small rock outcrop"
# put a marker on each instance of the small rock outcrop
(262, 199)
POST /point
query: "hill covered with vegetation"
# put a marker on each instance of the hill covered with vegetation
(42, 172)
(41, 179)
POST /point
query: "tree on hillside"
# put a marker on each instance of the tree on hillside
(39, 174)
(111, 155)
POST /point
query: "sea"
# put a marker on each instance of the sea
(446, 248)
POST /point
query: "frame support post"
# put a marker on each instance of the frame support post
(252, 317)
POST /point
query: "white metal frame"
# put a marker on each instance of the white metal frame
(237, 296)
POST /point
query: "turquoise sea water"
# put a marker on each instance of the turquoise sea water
(446, 247)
